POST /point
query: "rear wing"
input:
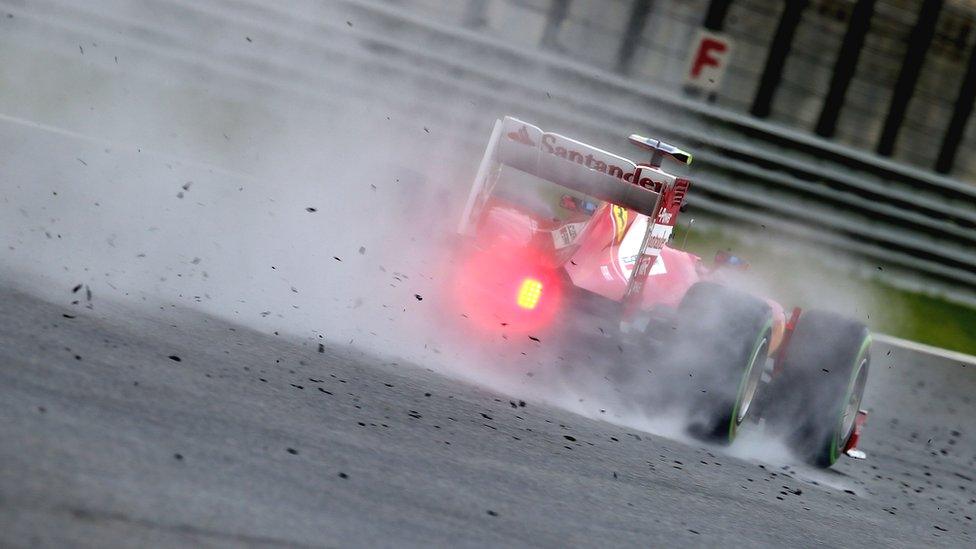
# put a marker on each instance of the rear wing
(565, 162)
(644, 188)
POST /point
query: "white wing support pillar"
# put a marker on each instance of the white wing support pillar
(659, 229)
(466, 226)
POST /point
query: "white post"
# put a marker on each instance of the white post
(479, 179)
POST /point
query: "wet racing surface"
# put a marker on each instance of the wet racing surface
(174, 429)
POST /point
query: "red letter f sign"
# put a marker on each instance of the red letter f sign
(709, 57)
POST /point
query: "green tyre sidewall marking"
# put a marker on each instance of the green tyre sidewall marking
(834, 449)
(733, 426)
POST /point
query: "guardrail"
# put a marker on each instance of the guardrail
(748, 171)
(894, 214)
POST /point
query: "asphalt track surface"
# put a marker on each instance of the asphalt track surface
(122, 428)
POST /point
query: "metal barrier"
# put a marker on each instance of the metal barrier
(752, 171)
(785, 59)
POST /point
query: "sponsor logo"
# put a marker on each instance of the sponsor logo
(657, 267)
(521, 136)
(664, 217)
(619, 222)
(600, 163)
(680, 190)
(628, 255)
(662, 231)
(660, 234)
(645, 265)
(567, 234)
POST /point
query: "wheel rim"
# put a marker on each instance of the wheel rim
(755, 374)
(853, 404)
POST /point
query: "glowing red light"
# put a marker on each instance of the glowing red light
(529, 293)
(501, 288)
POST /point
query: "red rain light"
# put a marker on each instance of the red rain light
(501, 288)
(529, 293)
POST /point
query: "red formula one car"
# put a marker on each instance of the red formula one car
(554, 227)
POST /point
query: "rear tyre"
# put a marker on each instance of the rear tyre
(815, 399)
(721, 344)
